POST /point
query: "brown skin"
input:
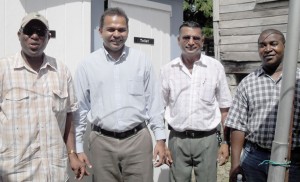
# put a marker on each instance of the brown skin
(190, 53)
(190, 48)
(33, 47)
(33, 53)
(271, 51)
(69, 137)
(237, 143)
(223, 153)
(114, 34)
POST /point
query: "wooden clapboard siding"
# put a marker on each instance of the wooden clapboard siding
(237, 7)
(240, 56)
(230, 2)
(238, 39)
(251, 30)
(239, 24)
(254, 22)
(240, 47)
(233, 67)
(253, 14)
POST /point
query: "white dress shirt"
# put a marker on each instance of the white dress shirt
(194, 99)
(117, 95)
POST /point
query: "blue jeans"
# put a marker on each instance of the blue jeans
(251, 159)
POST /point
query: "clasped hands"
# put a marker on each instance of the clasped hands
(78, 163)
(161, 154)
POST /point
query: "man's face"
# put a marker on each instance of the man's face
(114, 33)
(270, 49)
(34, 38)
(190, 40)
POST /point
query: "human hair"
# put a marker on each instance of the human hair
(272, 31)
(190, 24)
(111, 12)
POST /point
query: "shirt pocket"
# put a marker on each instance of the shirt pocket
(136, 87)
(208, 92)
(59, 100)
(15, 104)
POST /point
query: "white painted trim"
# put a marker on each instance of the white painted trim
(148, 4)
(264, 1)
(216, 28)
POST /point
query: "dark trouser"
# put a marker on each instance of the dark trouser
(122, 160)
(192, 152)
(254, 172)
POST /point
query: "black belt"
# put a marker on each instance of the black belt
(257, 147)
(119, 135)
(295, 157)
(192, 133)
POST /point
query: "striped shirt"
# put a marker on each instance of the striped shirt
(194, 99)
(255, 105)
(117, 95)
(33, 109)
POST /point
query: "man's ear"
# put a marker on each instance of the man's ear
(19, 34)
(49, 35)
(203, 38)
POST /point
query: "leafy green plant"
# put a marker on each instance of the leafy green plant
(200, 11)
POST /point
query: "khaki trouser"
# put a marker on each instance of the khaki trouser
(199, 154)
(118, 160)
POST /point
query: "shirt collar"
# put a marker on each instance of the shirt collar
(201, 61)
(110, 58)
(261, 72)
(20, 62)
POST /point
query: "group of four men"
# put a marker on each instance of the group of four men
(116, 90)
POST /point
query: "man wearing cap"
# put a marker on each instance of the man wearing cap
(36, 104)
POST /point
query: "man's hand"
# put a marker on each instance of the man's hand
(234, 171)
(159, 153)
(223, 154)
(168, 158)
(83, 158)
(77, 166)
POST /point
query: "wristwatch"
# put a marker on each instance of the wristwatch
(72, 152)
(225, 142)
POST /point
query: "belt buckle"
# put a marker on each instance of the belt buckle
(122, 135)
(190, 134)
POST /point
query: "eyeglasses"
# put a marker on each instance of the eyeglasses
(188, 37)
(41, 32)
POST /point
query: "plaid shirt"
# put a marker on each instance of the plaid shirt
(255, 105)
(33, 108)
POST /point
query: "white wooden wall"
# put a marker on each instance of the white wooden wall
(149, 20)
(69, 18)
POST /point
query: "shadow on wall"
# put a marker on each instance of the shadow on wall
(40, 5)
